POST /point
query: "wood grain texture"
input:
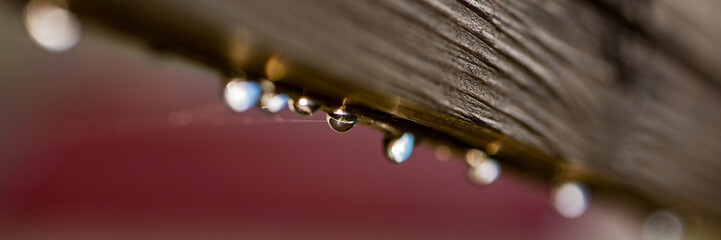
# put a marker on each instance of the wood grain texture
(623, 94)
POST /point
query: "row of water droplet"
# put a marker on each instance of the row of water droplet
(570, 199)
(53, 27)
(241, 95)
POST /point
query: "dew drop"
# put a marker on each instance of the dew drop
(340, 120)
(399, 149)
(485, 173)
(571, 199)
(663, 225)
(475, 157)
(273, 102)
(275, 68)
(241, 95)
(443, 153)
(493, 147)
(266, 86)
(302, 106)
(52, 26)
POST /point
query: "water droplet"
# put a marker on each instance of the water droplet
(475, 157)
(266, 86)
(485, 173)
(663, 225)
(51, 25)
(399, 149)
(274, 68)
(493, 147)
(340, 120)
(443, 152)
(241, 95)
(302, 106)
(571, 199)
(273, 102)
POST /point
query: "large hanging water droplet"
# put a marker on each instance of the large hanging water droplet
(241, 95)
(485, 173)
(303, 106)
(273, 102)
(340, 120)
(571, 199)
(51, 25)
(399, 149)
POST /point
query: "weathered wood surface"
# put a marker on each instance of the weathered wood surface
(624, 94)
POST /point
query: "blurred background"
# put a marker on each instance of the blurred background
(110, 140)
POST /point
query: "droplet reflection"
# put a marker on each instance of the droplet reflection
(241, 95)
(485, 173)
(663, 225)
(303, 106)
(340, 120)
(273, 102)
(399, 149)
(571, 199)
(51, 25)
